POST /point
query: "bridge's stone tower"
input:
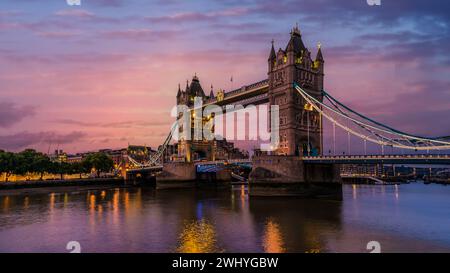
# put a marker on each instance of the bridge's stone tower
(192, 149)
(300, 128)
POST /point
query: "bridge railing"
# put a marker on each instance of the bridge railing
(247, 88)
(226, 161)
(421, 156)
(241, 90)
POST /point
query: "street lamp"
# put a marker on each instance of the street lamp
(309, 108)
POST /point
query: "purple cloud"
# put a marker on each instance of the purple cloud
(118, 124)
(140, 34)
(10, 113)
(26, 139)
(212, 16)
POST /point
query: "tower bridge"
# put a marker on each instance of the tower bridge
(297, 166)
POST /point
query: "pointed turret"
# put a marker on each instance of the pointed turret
(179, 91)
(319, 56)
(295, 43)
(195, 87)
(272, 55)
(187, 88)
(211, 94)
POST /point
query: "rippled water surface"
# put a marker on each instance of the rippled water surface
(412, 218)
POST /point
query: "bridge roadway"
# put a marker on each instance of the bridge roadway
(147, 168)
(381, 159)
(357, 159)
(255, 94)
(341, 159)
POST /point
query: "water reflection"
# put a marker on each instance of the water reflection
(26, 203)
(6, 201)
(198, 237)
(224, 220)
(396, 192)
(272, 238)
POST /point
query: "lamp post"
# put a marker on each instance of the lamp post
(309, 108)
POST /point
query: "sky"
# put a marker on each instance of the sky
(105, 74)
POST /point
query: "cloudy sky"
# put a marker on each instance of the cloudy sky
(105, 74)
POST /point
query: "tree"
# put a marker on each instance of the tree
(79, 168)
(60, 168)
(8, 163)
(32, 161)
(41, 164)
(5, 165)
(100, 162)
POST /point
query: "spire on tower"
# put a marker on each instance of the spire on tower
(211, 94)
(319, 56)
(195, 87)
(272, 55)
(179, 91)
(296, 43)
(295, 30)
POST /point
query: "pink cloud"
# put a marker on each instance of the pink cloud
(78, 13)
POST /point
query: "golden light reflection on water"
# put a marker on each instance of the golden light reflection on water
(6, 203)
(243, 196)
(92, 203)
(115, 206)
(126, 201)
(273, 238)
(66, 199)
(92, 206)
(52, 201)
(198, 237)
(26, 202)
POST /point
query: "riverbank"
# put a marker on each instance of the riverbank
(36, 186)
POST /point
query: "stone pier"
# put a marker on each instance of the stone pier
(219, 179)
(274, 175)
(176, 175)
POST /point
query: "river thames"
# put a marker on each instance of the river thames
(404, 218)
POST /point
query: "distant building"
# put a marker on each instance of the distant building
(140, 153)
(118, 156)
(170, 153)
(225, 150)
(74, 158)
(58, 156)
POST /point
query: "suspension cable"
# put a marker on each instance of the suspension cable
(314, 102)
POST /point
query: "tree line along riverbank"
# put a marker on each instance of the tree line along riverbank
(33, 166)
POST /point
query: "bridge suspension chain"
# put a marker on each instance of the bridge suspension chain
(379, 133)
(159, 154)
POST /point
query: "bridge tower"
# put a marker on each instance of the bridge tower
(192, 149)
(300, 127)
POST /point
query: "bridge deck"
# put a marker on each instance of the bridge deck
(381, 159)
(255, 93)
